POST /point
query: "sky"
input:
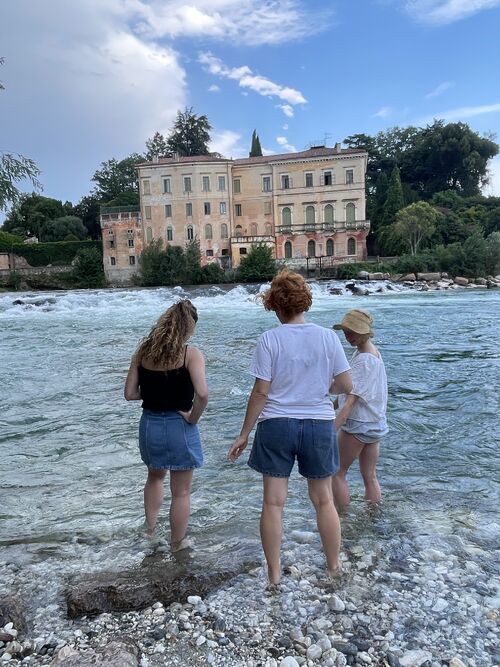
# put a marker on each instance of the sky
(89, 80)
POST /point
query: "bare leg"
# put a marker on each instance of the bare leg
(320, 493)
(367, 465)
(271, 523)
(153, 497)
(349, 450)
(180, 504)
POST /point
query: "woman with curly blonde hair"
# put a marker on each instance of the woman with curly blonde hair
(295, 366)
(169, 377)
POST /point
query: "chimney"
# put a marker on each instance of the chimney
(156, 159)
(338, 147)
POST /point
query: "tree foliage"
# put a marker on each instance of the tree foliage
(116, 177)
(88, 210)
(156, 146)
(88, 268)
(257, 265)
(31, 213)
(414, 224)
(60, 228)
(255, 149)
(190, 134)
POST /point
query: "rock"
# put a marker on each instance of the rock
(345, 648)
(154, 581)
(407, 277)
(376, 276)
(415, 658)
(461, 281)
(358, 291)
(363, 275)
(428, 276)
(481, 281)
(440, 605)
(314, 652)
(336, 290)
(119, 652)
(302, 536)
(6, 637)
(12, 610)
(456, 662)
(194, 599)
(289, 661)
(335, 603)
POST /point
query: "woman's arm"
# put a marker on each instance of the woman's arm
(195, 363)
(132, 390)
(256, 403)
(342, 383)
(345, 411)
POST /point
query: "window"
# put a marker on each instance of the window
(131, 260)
(205, 183)
(243, 251)
(208, 231)
(285, 182)
(166, 185)
(237, 185)
(269, 229)
(253, 229)
(168, 210)
(328, 178)
(351, 246)
(223, 231)
(350, 213)
(146, 187)
(189, 210)
(110, 232)
(286, 217)
(221, 183)
(206, 208)
(266, 183)
(189, 233)
(130, 232)
(239, 230)
(309, 180)
(187, 183)
(112, 261)
(147, 212)
(170, 233)
(149, 234)
(131, 243)
(225, 251)
(310, 216)
(311, 249)
(222, 208)
(209, 253)
(328, 214)
(288, 250)
(111, 243)
(237, 209)
(329, 247)
(267, 208)
(349, 176)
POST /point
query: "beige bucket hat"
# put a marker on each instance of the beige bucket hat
(359, 321)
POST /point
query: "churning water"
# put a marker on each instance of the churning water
(70, 474)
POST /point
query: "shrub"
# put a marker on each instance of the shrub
(8, 240)
(213, 274)
(88, 269)
(258, 265)
(58, 253)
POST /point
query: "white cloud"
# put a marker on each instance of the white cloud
(442, 12)
(248, 80)
(213, 88)
(439, 90)
(285, 126)
(493, 187)
(383, 112)
(461, 113)
(250, 22)
(283, 142)
(226, 143)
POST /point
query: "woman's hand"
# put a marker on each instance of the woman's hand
(187, 416)
(237, 448)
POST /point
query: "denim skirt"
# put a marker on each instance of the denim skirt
(168, 442)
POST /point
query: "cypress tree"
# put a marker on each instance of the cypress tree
(394, 200)
(255, 150)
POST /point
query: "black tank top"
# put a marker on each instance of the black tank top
(162, 391)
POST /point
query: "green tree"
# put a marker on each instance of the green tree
(394, 200)
(258, 264)
(414, 224)
(88, 210)
(156, 146)
(7, 241)
(192, 254)
(212, 274)
(255, 150)
(492, 254)
(60, 228)
(162, 267)
(190, 134)
(116, 177)
(31, 212)
(88, 268)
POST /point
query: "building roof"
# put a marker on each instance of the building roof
(317, 151)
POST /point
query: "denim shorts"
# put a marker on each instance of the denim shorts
(366, 432)
(168, 442)
(281, 440)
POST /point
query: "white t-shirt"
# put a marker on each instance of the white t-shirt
(369, 383)
(300, 361)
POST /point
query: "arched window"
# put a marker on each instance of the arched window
(253, 229)
(208, 231)
(328, 214)
(351, 246)
(286, 217)
(288, 250)
(149, 234)
(311, 249)
(269, 229)
(310, 215)
(223, 231)
(239, 230)
(329, 247)
(189, 233)
(170, 233)
(350, 212)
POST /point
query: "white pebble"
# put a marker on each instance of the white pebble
(314, 652)
(194, 599)
(289, 661)
(201, 640)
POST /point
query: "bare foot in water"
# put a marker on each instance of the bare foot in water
(185, 543)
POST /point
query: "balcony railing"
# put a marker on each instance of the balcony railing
(253, 239)
(120, 209)
(337, 226)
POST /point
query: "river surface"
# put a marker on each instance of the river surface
(70, 474)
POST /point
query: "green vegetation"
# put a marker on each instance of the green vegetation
(57, 254)
(256, 149)
(257, 265)
(8, 240)
(87, 268)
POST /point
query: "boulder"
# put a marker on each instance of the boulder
(119, 652)
(428, 276)
(376, 276)
(356, 290)
(407, 277)
(12, 611)
(363, 275)
(461, 281)
(481, 281)
(156, 580)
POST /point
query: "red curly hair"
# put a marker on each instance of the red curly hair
(289, 293)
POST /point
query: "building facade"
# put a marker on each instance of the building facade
(304, 205)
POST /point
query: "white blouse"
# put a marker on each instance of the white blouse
(369, 382)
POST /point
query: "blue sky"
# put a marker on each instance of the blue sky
(88, 80)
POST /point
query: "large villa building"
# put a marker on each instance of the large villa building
(304, 205)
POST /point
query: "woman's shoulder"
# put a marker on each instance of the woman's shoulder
(193, 352)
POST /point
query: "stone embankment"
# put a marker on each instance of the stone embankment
(422, 282)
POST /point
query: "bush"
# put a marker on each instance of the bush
(60, 228)
(8, 240)
(88, 268)
(258, 265)
(213, 274)
(60, 253)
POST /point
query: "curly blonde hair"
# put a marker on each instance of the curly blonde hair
(289, 293)
(164, 346)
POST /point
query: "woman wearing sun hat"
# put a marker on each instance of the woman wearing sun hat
(361, 419)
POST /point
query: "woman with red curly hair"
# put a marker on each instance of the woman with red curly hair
(296, 366)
